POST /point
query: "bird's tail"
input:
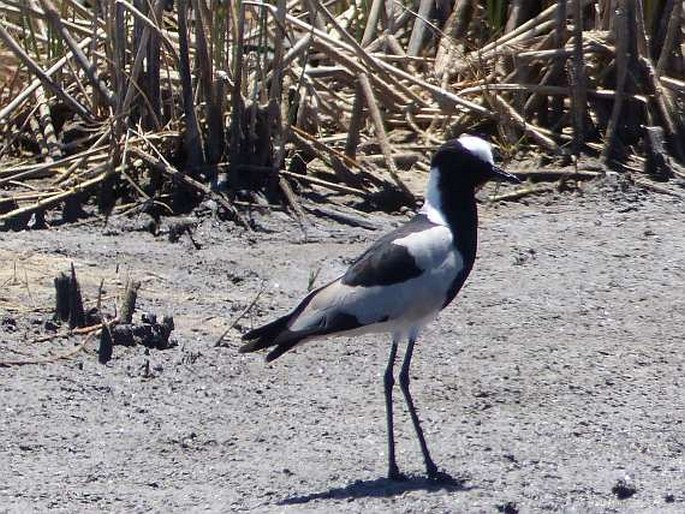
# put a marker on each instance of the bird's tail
(275, 334)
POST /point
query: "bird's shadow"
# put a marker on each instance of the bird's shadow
(382, 488)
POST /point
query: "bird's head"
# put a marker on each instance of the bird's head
(467, 163)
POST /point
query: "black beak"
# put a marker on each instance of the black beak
(502, 176)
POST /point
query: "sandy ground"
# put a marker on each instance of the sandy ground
(553, 383)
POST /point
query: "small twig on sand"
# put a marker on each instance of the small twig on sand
(658, 188)
(54, 358)
(520, 193)
(240, 316)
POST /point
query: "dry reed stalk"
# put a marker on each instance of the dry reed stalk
(321, 146)
(356, 121)
(419, 29)
(675, 85)
(133, 86)
(193, 136)
(528, 128)
(160, 164)
(578, 82)
(333, 186)
(372, 22)
(621, 59)
(55, 20)
(275, 94)
(42, 76)
(57, 198)
(376, 118)
(350, 44)
(673, 33)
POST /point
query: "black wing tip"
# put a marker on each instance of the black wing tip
(247, 348)
(281, 349)
(274, 354)
(254, 343)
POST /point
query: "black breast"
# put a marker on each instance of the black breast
(461, 214)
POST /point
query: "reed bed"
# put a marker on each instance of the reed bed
(156, 106)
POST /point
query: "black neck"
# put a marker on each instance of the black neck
(461, 213)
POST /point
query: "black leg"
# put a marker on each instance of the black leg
(388, 383)
(431, 468)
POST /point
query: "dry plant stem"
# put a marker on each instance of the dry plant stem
(534, 132)
(356, 122)
(237, 101)
(543, 89)
(42, 76)
(377, 120)
(372, 21)
(45, 119)
(657, 94)
(45, 169)
(674, 26)
(363, 55)
(275, 93)
(450, 46)
(193, 137)
(419, 29)
(657, 187)
(128, 304)
(323, 152)
(579, 86)
(314, 17)
(388, 95)
(324, 183)
(55, 20)
(347, 218)
(158, 9)
(117, 60)
(556, 174)
(299, 48)
(166, 168)
(442, 96)
(520, 193)
(324, 148)
(214, 140)
(132, 86)
(662, 105)
(80, 162)
(515, 34)
(398, 52)
(240, 316)
(290, 198)
(59, 197)
(47, 128)
(55, 358)
(621, 28)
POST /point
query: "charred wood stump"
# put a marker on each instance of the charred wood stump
(657, 163)
(68, 300)
(128, 306)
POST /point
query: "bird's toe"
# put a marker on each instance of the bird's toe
(443, 478)
(396, 476)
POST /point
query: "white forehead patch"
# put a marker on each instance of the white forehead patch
(478, 147)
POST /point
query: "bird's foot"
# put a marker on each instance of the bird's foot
(395, 475)
(441, 477)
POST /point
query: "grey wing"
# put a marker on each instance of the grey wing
(417, 271)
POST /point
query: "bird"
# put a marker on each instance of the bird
(402, 281)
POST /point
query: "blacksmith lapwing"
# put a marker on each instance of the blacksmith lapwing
(403, 280)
